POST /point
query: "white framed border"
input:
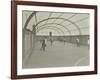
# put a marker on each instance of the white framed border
(21, 71)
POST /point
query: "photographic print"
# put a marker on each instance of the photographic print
(53, 39)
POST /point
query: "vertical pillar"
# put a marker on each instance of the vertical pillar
(30, 42)
(34, 30)
(33, 37)
(50, 34)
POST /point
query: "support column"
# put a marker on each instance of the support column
(33, 37)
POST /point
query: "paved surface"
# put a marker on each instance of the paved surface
(58, 55)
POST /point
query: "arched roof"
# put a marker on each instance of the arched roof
(66, 23)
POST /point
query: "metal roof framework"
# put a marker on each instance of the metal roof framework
(62, 23)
